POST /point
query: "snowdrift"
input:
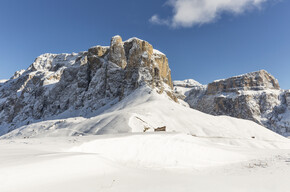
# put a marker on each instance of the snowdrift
(161, 151)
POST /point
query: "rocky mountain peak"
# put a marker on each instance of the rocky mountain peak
(259, 80)
(253, 96)
(117, 52)
(82, 83)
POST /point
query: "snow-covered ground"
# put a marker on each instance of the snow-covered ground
(3, 80)
(146, 110)
(142, 162)
(199, 152)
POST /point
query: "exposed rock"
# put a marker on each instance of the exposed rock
(287, 97)
(98, 50)
(117, 52)
(259, 80)
(163, 68)
(158, 129)
(254, 96)
(138, 52)
(81, 83)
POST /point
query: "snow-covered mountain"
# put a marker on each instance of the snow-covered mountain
(3, 81)
(254, 96)
(81, 84)
(123, 88)
(145, 110)
(183, 88)
(134, 125)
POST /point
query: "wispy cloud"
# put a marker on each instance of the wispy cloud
(155, 19)
(188, 13)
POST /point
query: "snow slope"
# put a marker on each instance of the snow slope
(198, 152)
(3, 81)
(145, 109)
(140, 162)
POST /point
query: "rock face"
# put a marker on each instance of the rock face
(81, 84)
(254, 96)
(117, 52)
(259, 80)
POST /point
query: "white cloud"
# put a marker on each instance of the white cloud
(156, 20)
(188, 13)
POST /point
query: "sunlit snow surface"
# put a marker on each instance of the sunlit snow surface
(3, 80)
(141, 162)
(199, 152)
(146, 109)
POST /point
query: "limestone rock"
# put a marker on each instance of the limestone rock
(138, 51)
(163, 68)
(98, 50)
(254, 96)
(81, 83)
(259, 80)
(117, 52)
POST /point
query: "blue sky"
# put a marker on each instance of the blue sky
(235, 40)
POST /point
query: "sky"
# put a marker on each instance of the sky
(204, 40)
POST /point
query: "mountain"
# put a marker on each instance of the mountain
(99, 119)
(145, 110)
(182, 88)
(80, 84)
(123, 88)
(254, 96)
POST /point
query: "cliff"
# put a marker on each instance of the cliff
(81, 84)
(253, 96)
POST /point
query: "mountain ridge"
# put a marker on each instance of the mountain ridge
(87, 93)
(255, 96)
(81, 82)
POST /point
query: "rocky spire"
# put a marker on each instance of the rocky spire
(117, 52)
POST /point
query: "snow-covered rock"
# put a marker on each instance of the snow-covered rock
(287, 96)
(144, 110)
(117, 52)
(3, 81)
(127, 87)
(80, 84)
(259, 80)
(183, 88)
(254, 96)
(187, 83)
